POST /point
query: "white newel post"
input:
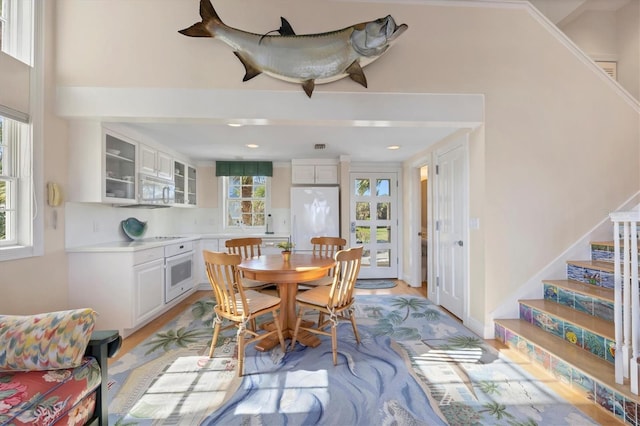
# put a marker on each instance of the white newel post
(626, 298)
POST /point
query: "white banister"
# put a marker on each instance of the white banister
(617, 305)
(626, 297)
(626, 301)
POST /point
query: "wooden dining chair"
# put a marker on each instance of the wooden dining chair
(237, 305)
(247, 248)
(335, 301)
(328, 247)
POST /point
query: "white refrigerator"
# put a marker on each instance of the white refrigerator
(315, 212)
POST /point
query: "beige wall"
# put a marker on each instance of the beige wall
(207, 187)
(280, 185)
(558, 151)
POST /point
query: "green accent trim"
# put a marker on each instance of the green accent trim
(244, 168)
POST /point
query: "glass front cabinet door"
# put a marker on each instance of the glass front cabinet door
(180, 181)
(191, 186)
(120, 169)
(184, 177)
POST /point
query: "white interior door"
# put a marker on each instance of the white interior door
(374, 222)
(451, 229)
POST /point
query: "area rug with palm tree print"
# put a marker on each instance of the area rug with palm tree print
(415, 365)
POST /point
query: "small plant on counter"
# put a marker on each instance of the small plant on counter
(285, 245)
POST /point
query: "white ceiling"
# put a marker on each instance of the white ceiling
(212, 138)
(207, 141)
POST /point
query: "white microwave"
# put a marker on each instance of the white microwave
(155, 191)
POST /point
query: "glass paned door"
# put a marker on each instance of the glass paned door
(374, 223)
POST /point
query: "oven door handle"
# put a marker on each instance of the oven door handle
(178, 257)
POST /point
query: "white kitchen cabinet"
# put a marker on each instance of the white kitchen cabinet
(148, 288)
(126, 288)
(156, 163)
(314, 172)
(102, 165)
(184, 177)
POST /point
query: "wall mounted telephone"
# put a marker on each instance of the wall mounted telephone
(54, 194)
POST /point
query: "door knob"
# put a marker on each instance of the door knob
(460, 243)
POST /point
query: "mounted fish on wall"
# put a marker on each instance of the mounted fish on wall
(308, 59)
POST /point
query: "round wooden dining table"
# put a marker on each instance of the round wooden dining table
(286, 275)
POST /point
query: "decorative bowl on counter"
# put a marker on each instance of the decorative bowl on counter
(133, 228)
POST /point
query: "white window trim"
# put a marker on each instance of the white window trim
(36, 100)
(17, 37)
(222, 202)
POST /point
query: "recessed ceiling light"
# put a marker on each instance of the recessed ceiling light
(393, 147)
(234, 124)
(252, 145)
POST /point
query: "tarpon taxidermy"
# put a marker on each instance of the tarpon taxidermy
(308, 59)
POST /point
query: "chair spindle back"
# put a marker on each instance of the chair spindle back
(224, 276)
(344, 279)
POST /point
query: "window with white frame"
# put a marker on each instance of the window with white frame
(21, 224)
(245, 201)
(15, 173)
(16, 29)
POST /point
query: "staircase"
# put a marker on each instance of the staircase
(570, 332)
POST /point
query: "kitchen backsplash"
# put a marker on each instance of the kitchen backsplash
(88, 224)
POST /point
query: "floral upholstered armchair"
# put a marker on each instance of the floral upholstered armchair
(53, 367)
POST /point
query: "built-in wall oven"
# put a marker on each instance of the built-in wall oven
(179, 265)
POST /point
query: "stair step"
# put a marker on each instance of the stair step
(588, 322)
(590, 290)
(589, 364)
(587, 332)
(587, 298)
(604, 250)
(596, 265)
(594, 272)
(584, 372)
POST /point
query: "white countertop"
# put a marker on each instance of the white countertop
(148, 243)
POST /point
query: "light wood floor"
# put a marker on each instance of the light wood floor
(595, 412)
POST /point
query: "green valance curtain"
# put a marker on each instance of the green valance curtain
(244, 168)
